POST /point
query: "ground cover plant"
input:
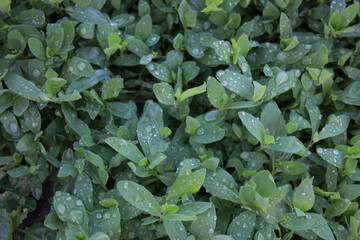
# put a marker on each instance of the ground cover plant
(182, 120)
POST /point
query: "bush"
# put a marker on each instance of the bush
(169, 119)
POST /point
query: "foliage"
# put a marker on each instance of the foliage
(179, 119)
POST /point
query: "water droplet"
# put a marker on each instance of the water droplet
(224, 83)
(36, 72)
(98, 216)
(13, 127)
(83, 31)
(200, 131)
(76, 216)
(78, 202)
(81, 66)
(61, 208)
(195, 51)
(320, 150)
(336, 152)
(126, 185)
(148, 128)
(211, 230)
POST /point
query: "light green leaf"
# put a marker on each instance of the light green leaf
(216, 93)
(265, 184)
(304, 197)
(192, 92)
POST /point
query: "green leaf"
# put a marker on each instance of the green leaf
(207, 133)
(350, 191)
(148, 130)
(241, 227)
(112, 87)
(259, 91)
(192, 92)
(84, 190)
(265, 184)
(335, 126)
(187, 182)
(34, 17)
(332, 156)
(143, 27)
(9, 123)
(139, 197)
(159, 71)
(204, 226)
(164, 93)
(216, 93)
(243, 45)
(295, 223)
(24, 88)
(285, 26)
(16, 40)
(273, 120)
(87, 14)
(288, 145)
(125, 148)
(52, 221)
(223, 49)
(221, 185)
(138, 47)
(253, 125)
(73, 121)
(291, 167)
(80, 67)
(69, 208)
(122, 110)
(82, 3)
(175, 229)
(304, 197)
(321, 227)
(236, 82)
(348, 15)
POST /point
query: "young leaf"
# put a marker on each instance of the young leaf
(216, 93)
(265, 184)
